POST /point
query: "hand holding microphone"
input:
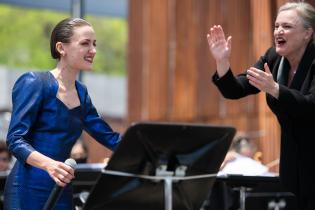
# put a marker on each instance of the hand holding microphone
(57, 190)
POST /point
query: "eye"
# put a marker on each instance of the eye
(287, 26)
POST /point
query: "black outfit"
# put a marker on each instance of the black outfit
(295, 110)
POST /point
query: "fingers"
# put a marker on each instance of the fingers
(229, 42)
(59, 182)
(66, 173)
(263, 80)
(266, 67)
(257, 73)
(220, 48)
(209, 39)
(61, 173)
(256, 77)
(215, 34)
(254, 81)
(67, 168)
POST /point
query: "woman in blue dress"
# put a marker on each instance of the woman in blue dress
(50, 110)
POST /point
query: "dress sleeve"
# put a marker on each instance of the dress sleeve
(26, 100)
(235, 87)
(232, 87)
(97, 127)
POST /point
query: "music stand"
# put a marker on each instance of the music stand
(186, 157)
(85, 177)
(256, 192)
(271, 201)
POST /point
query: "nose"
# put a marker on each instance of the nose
(92, 49)
(279, 30)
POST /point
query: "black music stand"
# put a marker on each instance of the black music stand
(186, 157)
(85, 177)
(271, 201)
(260, 192)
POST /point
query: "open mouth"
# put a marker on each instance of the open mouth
(280, 41)
(89, 59)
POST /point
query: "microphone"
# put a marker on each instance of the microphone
(57, 190)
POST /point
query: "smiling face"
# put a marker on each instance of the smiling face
(79, 53)
(291, 37)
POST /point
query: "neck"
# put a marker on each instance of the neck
(65, 76)
(296, 58)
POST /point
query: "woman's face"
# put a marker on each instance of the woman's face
(290, 35)
(80, 52)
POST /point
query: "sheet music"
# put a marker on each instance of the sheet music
(246, 166)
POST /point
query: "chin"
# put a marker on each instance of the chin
(280, 51)
(87, 68)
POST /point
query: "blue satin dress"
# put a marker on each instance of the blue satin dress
(41, 122)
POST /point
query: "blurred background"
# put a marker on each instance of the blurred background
(152, 61)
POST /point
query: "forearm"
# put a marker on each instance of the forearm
(61, 173)
(222, 67)
(39, 160)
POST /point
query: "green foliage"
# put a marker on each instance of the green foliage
(25, 36)
(111, 35)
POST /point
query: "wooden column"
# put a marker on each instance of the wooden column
(170, 67)
(169, 64)
(148, 60)
(183, 72)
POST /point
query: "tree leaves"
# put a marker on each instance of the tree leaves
(25, 37)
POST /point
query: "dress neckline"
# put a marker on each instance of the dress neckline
(58, 99)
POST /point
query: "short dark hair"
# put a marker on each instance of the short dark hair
(63, 31)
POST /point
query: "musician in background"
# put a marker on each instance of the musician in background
(79, 152)
(5, 157)
(5, 166)
(242, 159)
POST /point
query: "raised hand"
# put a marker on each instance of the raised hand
(220, 48)
(263, 80)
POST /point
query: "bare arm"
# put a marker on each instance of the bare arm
(58, 171)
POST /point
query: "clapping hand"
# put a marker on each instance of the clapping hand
(220, 48)
(263, 80)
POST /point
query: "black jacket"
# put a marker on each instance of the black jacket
(295, 111)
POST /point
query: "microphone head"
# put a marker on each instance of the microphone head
(70, 162)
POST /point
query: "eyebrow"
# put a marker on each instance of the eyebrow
(285, 23)
(94, 40)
